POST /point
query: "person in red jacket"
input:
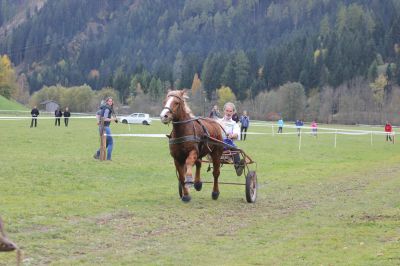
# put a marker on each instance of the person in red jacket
(389, 132)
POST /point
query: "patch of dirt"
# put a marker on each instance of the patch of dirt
(109, 217)
(379, 217)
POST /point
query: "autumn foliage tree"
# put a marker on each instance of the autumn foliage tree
(8, 84)
(225, 94)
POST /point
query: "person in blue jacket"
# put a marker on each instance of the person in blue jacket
(280, 125)
(299, 125)
(244, 125)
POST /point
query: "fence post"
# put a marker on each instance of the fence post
(300, 141)
(371, 138)
(335, 137)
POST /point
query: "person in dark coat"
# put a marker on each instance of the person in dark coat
(35, 114)
(215, 114)
(58, 115)
(67, 114)
(235, 117)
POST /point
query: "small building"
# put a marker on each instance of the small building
(49, 106)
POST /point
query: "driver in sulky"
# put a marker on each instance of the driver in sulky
(231, 133)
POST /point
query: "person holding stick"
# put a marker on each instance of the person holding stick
(104, 126)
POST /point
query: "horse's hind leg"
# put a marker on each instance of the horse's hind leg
(181, 178)
(197, 181)
(216, 171)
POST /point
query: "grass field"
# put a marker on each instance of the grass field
(6, 104)
(320, 205)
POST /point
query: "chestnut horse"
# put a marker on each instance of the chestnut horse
(191, 140)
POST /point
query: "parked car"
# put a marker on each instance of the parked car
(136, 118)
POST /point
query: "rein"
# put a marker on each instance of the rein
(191, 138)
(206, 138)
(185, 121)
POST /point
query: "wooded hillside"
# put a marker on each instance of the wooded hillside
(250, 46)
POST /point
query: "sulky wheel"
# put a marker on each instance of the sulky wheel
(251, 186)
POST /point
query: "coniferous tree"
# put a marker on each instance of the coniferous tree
(241, 75)
(397, 72)
(212, 72)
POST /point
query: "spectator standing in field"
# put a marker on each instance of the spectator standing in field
(67, 114)
(314, 128)
(389, 132)
(299, 125)
(244, 125)
(106, 113)
(58, 115)
(34, 114)
(215, 113)
(235, 117)
(280, 125)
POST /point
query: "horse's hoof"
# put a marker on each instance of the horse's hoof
(198, 186)
(186, 198)
(215, 195)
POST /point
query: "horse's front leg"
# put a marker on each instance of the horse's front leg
(181, 178)
(190, 161)
(197, 181)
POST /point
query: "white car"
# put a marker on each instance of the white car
(136, 118)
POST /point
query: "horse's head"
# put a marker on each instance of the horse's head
(175, 107)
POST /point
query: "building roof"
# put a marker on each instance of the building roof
(48, 101)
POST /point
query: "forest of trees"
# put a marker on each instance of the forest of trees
(257, 48)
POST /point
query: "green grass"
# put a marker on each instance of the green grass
(320, 205)
(6, 104)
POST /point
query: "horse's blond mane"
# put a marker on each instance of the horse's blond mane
(184, 97)
(188, 110)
